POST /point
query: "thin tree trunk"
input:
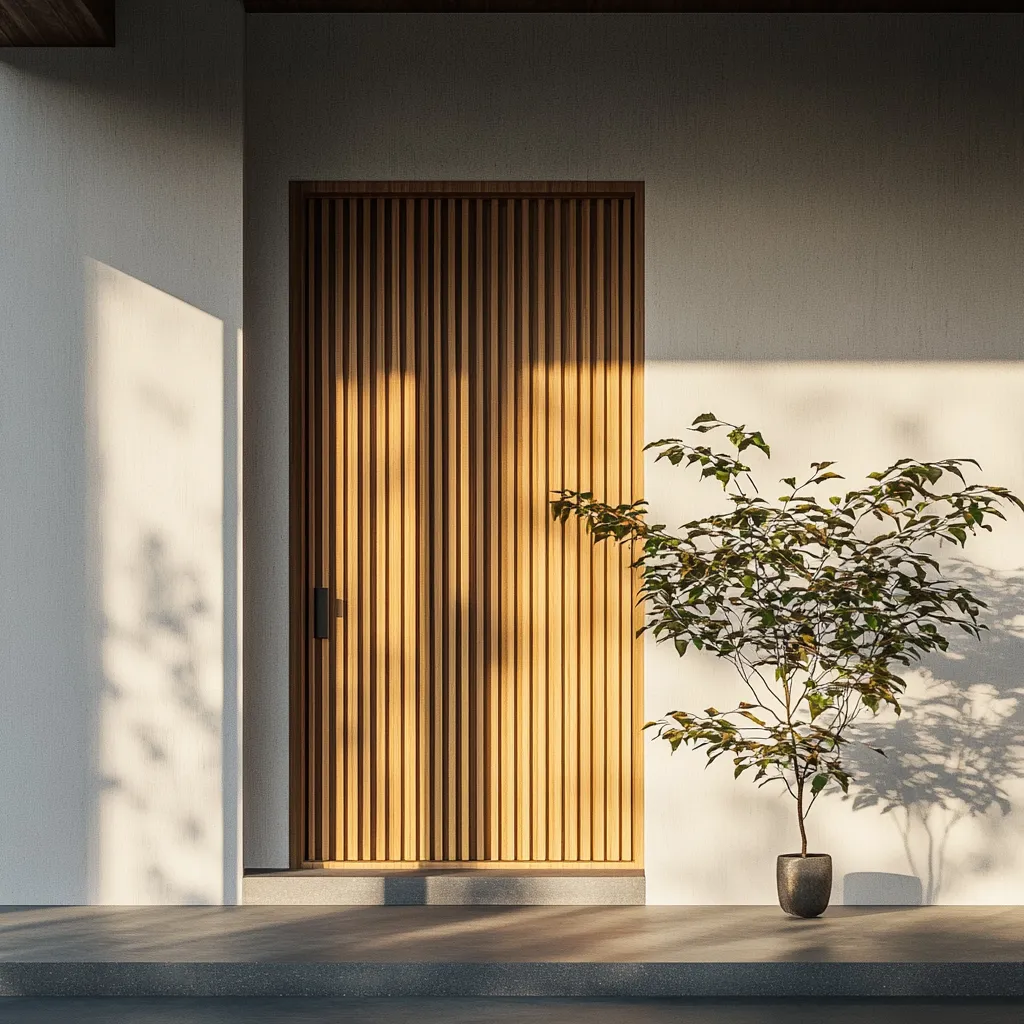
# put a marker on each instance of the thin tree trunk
(798, 776)
(800, 816)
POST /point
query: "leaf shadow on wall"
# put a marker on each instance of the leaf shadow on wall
(159, 695)
(958, 747)
(157, 469)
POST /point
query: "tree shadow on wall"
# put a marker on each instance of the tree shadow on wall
(960, 740)
(160, 731)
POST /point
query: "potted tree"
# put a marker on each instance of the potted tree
(817, 600)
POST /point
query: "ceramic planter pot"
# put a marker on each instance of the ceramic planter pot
(804, 883)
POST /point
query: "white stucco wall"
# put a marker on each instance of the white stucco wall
(835, 242)
(120, 313)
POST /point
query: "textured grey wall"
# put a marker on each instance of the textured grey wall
(834, 215)
(120, 215)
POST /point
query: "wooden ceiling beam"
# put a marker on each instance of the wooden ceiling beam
(56, 22)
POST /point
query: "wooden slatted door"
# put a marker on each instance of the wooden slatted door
(459, 355)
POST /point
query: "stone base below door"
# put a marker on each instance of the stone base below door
(323, 887)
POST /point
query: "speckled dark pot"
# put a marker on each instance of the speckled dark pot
(804, 883)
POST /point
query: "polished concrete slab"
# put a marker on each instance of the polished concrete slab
(512, 951)
(510, 934)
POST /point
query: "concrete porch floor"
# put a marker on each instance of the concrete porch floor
(512, 951)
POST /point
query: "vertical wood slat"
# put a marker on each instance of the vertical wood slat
(378, 533)
(451, 683)
(478, 701)
(464, 532)
(477, 596)
(628, 578)
(615, 597)
(423, 540)
(571, 616)
(505, 395)
(492, 530)
(556, 579)
(364, 540)
(442, 539)
(539, 404)
(599, 554)
(586, 429)
(520, 507)
(395, 570)
(410, 556)
(350, 455)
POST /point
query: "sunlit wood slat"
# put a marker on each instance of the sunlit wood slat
(519, 297)
(573, 478)
(539, 373)
(424, 540)
(598, 553)
(587, 430)
(336, 573)
(492, 527)
(433, 346)
(505, 389)
(349, 491)
(391, 528)
(615, 595)
(410, 553)
(477, 600)
(629, 719)
(364, 541)
(464, 533)
(450, 448)
(555, 576)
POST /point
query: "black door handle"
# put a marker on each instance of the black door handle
(321, 613)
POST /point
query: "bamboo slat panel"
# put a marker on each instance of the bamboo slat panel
(477, 701)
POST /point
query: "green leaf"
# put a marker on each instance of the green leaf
(759, 442)
(818, 703)
(818, 784)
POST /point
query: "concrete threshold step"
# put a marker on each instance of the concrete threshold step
(594, 980)
(459, 888)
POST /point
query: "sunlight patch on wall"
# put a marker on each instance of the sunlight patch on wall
(945, 811)
(158, 432)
